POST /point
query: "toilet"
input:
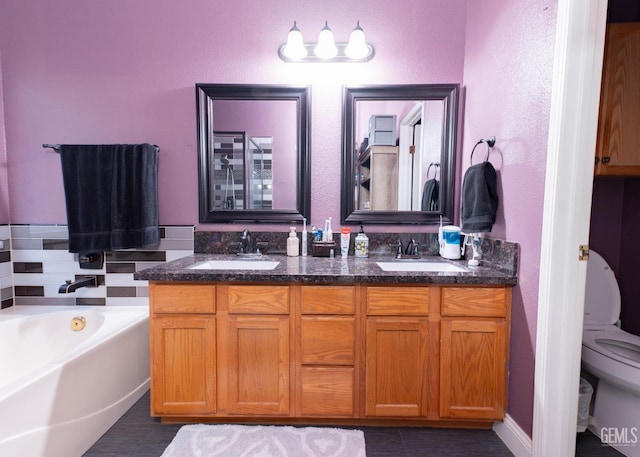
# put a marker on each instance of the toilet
(613, 356)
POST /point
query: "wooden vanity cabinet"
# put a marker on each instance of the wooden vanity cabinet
(254, 349)
(183, 349)
(474, 352)
(326, 362)
(397, 351)
(412, 354)
(617, 152)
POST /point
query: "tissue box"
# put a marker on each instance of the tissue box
(323, 248)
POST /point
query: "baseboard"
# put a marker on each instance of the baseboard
(518, 442)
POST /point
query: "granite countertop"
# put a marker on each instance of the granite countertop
(323, 270)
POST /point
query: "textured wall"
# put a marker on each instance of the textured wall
(4, 181)
(508, 71)
(80, 71)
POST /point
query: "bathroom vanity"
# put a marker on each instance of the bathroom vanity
(331, 341)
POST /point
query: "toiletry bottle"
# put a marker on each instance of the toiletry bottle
(362, 244)
(325, 232)
(329, 231)
(293, 243)
(345, 237)
(304, 237)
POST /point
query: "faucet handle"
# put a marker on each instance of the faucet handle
(396, 248)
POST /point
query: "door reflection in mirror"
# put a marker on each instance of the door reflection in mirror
(394, 160)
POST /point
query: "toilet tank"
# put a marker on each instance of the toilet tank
(602, 294)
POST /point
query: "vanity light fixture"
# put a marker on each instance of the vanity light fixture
(326, 49)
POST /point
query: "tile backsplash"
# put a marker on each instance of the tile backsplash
(35, 261)
(41, 263)
(6, 278)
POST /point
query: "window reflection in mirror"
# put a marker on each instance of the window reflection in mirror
(253, 149)
(398, 153)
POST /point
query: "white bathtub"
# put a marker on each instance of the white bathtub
(60, 389)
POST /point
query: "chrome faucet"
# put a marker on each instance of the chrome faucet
(85, 281)
(247, 242)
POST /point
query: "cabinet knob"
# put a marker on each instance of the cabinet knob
(597, 160)
(606, 160)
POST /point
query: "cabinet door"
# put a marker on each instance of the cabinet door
(618, 133)
(396, 367)
(258, 355)
(183, 368)
(473, 360)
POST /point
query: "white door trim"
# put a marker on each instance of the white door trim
(404, 157)
(567, 207)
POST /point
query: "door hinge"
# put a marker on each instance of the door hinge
(583, 252)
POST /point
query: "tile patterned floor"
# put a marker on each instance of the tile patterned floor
(137, 434)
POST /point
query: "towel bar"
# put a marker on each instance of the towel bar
(56, 147)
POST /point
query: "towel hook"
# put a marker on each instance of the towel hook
(435, 171)
(490, 142)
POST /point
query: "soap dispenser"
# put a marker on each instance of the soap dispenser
(361, 244)
(293, 243)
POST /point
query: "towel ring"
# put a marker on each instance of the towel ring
(435, 171)
(490, 142)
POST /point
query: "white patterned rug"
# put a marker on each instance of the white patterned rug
(202, 440)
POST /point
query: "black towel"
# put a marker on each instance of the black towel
(111, 196)
(430, 195)
(479, 198)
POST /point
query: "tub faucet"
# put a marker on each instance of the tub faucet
(85, 281)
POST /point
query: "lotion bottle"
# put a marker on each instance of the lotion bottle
(293, 243)
(362, 244)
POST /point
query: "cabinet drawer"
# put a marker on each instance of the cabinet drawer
(328, 391)
(474, 301)
(398, 301)
(258, 299)
(328, 340)
(328, 299)
(182, 298)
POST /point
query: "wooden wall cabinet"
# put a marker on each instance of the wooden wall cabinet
(412, 354)
(617, 151)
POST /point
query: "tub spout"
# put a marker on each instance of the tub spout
(85, 281)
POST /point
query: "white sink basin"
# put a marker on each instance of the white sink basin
(431, 267)
(235, 265)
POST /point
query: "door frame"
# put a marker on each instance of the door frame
(566, 218)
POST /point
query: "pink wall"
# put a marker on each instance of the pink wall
(121, 71)
(507, 76)
(272, 118)
(4, 181)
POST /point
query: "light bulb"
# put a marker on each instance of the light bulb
(294, 49)
(326, 48)
(357, 47)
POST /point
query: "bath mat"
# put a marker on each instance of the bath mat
(226, 440)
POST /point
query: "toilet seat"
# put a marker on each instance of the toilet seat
(612, 342)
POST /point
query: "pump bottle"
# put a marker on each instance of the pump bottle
(293, 243)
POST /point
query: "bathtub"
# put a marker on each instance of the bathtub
(61, 389)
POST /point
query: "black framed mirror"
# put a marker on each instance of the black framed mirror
(398, 153)
(253, 147)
